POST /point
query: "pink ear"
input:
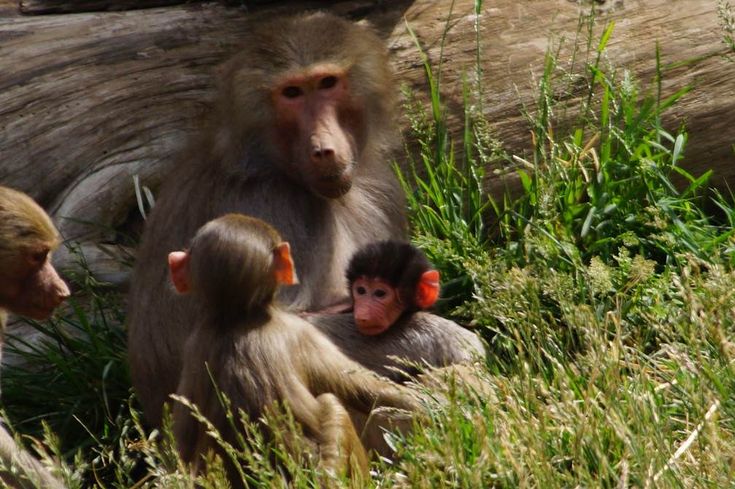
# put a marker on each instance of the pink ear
(285, 271)
(178, 267)
(427, 290)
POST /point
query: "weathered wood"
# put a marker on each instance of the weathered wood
(66, 6)
(36, 7)
(89, 100)
(516, 35)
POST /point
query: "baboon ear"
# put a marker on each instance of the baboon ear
(178, 267)
(285, 270)
(427, 290)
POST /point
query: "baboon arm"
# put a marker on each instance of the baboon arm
(340, 446)
(20, 469)
(357, 387)
(304, 407)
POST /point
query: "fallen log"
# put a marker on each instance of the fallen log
(88, 101)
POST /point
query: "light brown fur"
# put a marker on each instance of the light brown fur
(258, 157)
(261, 356)
(238, 165)
(29, 286)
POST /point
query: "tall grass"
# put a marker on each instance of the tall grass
(445, 193)
(610, 181)
(602, 286)
(604, 298)
(727, 23)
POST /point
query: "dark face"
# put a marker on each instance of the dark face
(31, 287)
(317, 129)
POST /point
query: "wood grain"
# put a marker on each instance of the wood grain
(89, 100)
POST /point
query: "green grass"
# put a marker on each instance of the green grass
(601, 285)
(604, 296)
(727, 23)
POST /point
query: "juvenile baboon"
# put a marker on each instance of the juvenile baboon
(259, 355)
(29, 284)
(31, 287)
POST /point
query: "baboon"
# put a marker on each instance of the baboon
(29, 284)
(300, 136)
(30, 287)
(388, 279)
(259, 355)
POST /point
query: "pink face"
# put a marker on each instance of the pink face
(377, 305)
(315, 125)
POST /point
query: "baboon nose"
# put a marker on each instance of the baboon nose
(62, 293)
(320, 155)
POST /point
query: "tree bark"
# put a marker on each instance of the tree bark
(66, 6)
(89, 100)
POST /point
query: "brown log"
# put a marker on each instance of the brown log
(89, 100)
(516, 35)
(67, 6)
(36, 7)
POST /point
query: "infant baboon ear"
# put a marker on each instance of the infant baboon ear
(427, 290)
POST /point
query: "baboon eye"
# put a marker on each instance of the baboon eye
(327, 82)
(360, 290)
(292, 92)
(38, 258)
(380, 293)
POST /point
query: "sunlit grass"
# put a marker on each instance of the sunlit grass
(602, 286)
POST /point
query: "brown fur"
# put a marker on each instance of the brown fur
(413, 342)
(238, 165)
(398, 263)
(29, 286)
(261, 356)
(247, 161)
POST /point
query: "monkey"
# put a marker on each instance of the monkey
(30, 286)
(414, 342)
(258, 354)
(388, 279)
(300, 135)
